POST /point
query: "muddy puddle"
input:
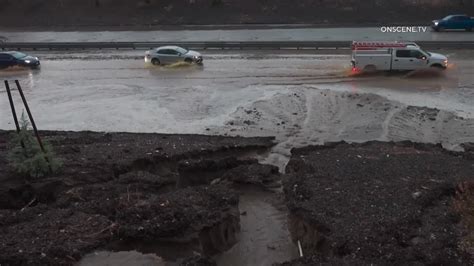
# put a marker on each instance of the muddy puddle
(263, 239)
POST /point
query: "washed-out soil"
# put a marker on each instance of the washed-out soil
(149, 13)
(120, 191)
(348, 204)
(381, 204)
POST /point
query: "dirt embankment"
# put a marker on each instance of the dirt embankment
(19, 13)
(124, 191)
(381, 204)
(173, 195)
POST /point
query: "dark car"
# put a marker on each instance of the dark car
(13, 58)
(454, 22)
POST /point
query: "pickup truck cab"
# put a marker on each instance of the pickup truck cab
(453, 22)
(393, 56)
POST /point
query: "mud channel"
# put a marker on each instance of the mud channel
(157, 199)
(145, 199)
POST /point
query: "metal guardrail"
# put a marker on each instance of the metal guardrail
(267, 45)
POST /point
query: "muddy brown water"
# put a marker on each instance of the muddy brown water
(263, 240)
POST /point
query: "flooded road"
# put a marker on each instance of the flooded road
(299, 98)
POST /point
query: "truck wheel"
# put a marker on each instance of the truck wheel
(155, 61)
(370, 69)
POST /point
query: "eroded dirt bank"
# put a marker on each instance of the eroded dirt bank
(122, 192)
(381, 204)
(178, 200)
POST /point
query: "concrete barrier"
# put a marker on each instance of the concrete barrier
(212, 45)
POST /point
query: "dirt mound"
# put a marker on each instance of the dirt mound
(376, 203)
(91, 157)
(120, 192)
(53, 237)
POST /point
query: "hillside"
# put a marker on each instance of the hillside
(20, 13)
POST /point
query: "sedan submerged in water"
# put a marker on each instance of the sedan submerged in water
(13, 58)
(172, 54)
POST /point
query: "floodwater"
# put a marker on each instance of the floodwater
(264, 238)
(300, 99)
(236, 35)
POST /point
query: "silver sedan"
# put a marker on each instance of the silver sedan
(172, 54)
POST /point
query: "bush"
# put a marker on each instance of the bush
(26, 156)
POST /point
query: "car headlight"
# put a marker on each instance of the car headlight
(436, 23)
(27, 61)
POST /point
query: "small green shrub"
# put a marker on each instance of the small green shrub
(26, 157)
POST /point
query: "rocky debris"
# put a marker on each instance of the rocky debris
(53, 237)
(95, 216)
(376, 203)
(93, 157)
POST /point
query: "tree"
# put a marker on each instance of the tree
(26, 156)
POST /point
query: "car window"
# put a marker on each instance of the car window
(163, 51)
(181, 50)
(167, 51)
(459, 18)
(18, 55)
(173, 52)
(416, 54)
(403, 53)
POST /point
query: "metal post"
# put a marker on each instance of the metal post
(12, 106)
(30, 116)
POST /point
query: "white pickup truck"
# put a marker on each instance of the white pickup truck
(397, 56)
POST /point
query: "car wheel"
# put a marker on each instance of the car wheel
(188, 60)
(155, 61)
